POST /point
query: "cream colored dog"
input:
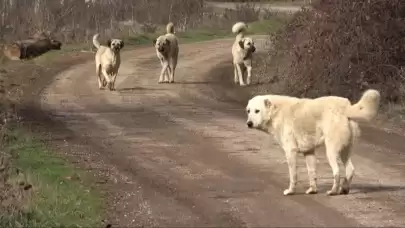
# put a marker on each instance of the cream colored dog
(167, 50)
(302, 125)
(242, 50)
(108, 60)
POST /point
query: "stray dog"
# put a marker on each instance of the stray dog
(167, 50)
(108, 60)
(242, 50)
(302, 125)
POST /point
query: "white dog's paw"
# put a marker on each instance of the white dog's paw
(172, 81)
(242, 84)
(311, 190)
(288, 192)
(331, 192)
(160, 81)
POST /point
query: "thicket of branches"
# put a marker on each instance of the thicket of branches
(73, 21)
(342, 48)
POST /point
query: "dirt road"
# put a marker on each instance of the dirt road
(181, 155)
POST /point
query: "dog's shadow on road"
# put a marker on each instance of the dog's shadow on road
(138, 88)
(197, 82)
(370, 188)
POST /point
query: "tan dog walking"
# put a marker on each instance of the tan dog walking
(167, 50)
(108, 61)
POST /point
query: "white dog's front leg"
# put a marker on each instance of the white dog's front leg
(311, 167)
(291, 155)
(332, 155)
(240, 74)
(249, 74)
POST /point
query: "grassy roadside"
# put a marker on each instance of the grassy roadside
(52, 192)
(62, 195)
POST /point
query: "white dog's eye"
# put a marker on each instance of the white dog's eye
(248, 111)
(257, 111)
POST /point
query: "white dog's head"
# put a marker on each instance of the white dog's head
(259, 111)
(247, 44)
(161, 43)
(115, 44)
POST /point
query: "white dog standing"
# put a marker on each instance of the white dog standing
(167, 50)
(242, 50)
(108, 61)
(302, 125)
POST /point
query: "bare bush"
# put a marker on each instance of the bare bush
(76, 21)
(342, 48)
(73, 21)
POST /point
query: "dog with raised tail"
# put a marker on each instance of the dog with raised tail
(242, 51)
(108, 61)
(300, 125)
(167, 50)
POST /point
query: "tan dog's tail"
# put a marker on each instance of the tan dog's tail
(239, 29)
(95, 41)
(170, 28)
(367, 107)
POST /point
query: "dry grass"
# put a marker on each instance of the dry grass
(340, 48)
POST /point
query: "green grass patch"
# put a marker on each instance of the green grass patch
(61, 195)
(255, 28)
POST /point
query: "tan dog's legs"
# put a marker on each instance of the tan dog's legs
(167, 75)
(114, 77)
(107, 78)
(235, 72)
(101, 81)
(349, 169)
(163, 71)
(311, 167)
(333, 153)
(241, 83)
(291, 155)
(249, 74)
(173, 64)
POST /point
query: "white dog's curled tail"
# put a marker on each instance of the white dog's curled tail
(239, 28)
(170, 28)
(367, 107)
(95, 41)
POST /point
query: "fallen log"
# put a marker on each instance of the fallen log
(30, 48)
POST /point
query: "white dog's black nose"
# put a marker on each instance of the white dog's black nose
(249, 124)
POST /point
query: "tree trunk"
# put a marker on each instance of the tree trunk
(30, 48)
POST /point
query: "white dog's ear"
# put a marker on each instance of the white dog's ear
(167, 41)
(109, 43)
(122, 44)
(267, 103)
(241, 42)
(154, 41)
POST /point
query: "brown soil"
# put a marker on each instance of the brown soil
(180, 154)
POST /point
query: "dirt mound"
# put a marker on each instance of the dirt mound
(342, 48)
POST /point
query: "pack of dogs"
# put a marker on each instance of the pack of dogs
(299, 125)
